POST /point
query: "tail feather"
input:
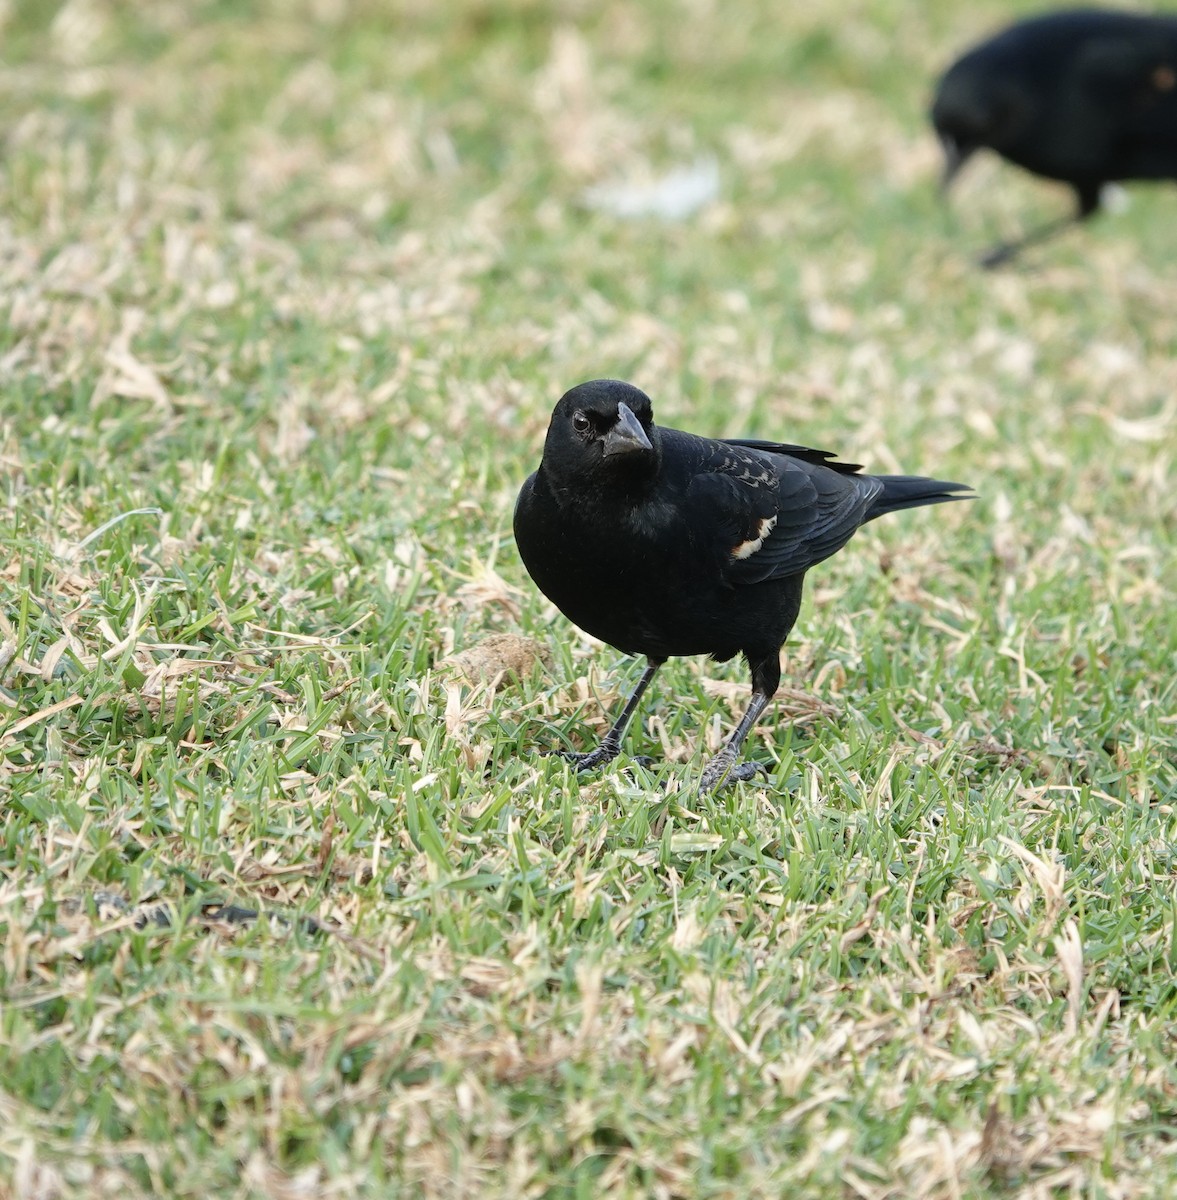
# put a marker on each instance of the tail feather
(913, 491)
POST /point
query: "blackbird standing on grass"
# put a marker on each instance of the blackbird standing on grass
(662, 543)
(1084, 96)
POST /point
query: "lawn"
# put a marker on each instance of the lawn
(289, 289)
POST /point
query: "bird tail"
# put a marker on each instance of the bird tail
(913, 491)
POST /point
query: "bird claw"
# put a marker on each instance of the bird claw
(744, 771)
(588, 760)
(720, 772)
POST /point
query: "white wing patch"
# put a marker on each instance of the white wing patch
(748, 548)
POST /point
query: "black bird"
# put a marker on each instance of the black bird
(662, 543)
(1086, 96)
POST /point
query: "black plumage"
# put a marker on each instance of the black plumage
(1085, 96)
(662, 543)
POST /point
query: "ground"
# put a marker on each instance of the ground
(289, 288)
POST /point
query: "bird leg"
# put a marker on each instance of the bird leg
(724, 768)
(610, 746)
(1005, 252)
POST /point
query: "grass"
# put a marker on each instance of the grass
(289, 291)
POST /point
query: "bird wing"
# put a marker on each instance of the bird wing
(768, 511)
(1134, 70)
(823, 458)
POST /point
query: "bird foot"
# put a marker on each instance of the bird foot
(589, 760)
(721, 771)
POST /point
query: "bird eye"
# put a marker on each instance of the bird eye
(580, 422)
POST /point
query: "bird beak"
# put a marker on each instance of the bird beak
(955, 157)
(627, 435)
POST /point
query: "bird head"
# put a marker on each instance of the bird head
(603, 431)
(973, 109)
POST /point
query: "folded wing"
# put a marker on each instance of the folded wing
(768, 511)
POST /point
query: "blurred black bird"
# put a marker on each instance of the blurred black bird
(662, 543)
(1085, 96)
